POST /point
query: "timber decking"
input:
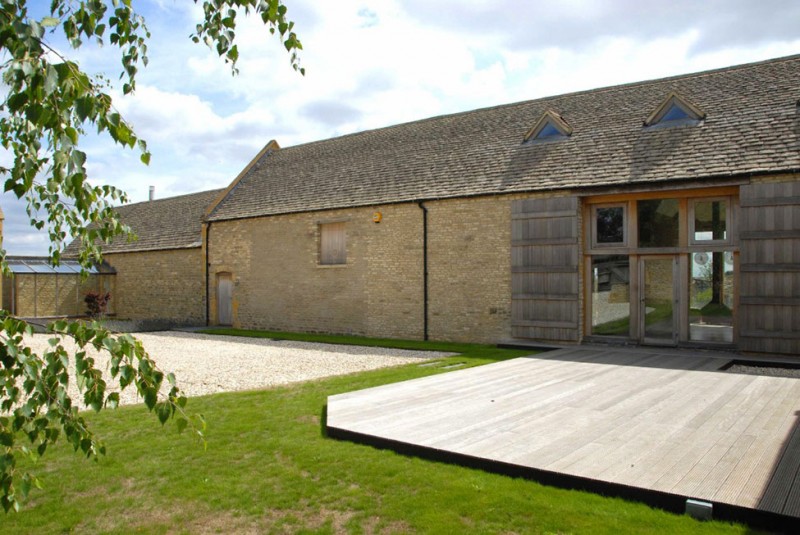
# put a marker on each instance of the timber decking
(659, 421)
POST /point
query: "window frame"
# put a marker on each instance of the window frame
(595, 244)
(728, 240)
(648, 249)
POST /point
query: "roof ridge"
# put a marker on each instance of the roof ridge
(137, 204)
(596, 90)
(480, 152)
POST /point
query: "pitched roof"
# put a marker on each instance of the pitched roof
(750, 126)
(170, 223)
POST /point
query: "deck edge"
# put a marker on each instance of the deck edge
(673, 503)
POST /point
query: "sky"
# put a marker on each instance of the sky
(371, 64)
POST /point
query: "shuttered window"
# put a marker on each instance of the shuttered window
(332, 244)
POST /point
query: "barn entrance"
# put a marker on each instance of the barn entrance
(660, 268)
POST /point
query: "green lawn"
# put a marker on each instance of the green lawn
(268, 468)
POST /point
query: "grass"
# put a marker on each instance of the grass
(268, 468)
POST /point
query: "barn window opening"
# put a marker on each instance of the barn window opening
(551, 126)
(675, 110)
(332, 244)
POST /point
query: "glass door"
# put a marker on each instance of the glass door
(657, 307)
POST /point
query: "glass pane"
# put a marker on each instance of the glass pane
(659, 319)
(710, 222)
(675, 113)
(611, 311)
(658, 222)
(18, 267)
(610, 225)
(64, 268)
(42, 268)
(548, 131)
(711, 297)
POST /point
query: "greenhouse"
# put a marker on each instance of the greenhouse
(37, 289)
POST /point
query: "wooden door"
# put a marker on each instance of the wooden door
(224, 299)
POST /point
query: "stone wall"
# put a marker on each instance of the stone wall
(469, 244)
(279, 283)
(159, 285)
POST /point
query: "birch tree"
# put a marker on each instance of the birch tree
(48, 105)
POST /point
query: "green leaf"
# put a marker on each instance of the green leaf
(181, 423)
(112, 401)
(50, 80)
(49, 22)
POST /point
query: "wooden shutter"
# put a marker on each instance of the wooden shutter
(333, 244)
(544, 269)
(769, 294)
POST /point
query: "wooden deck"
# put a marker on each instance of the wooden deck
(666, 423)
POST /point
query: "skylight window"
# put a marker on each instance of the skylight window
(675, 110)
(551, 126)
(675, 113)
(548, 131)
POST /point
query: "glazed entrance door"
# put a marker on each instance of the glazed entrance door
(658, 300)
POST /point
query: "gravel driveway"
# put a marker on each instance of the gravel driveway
(206, 364)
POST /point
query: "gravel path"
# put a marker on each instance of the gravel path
(206, 364)
(773, 371)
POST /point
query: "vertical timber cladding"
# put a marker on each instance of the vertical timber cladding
(769, 295)
(544, 269)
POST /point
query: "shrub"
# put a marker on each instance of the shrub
(96, 303)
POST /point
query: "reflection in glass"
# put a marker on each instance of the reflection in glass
(711, 297)
(611, 311)
(658, 222)
(610, 225)
(659, 317)
(710, 221)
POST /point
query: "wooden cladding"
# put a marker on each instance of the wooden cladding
(544, 269)
(770, 268)
(332, 243)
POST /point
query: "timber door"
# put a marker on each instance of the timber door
(658, 303)
(224, 299)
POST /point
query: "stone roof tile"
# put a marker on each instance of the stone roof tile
(169, 223)
(751, 125)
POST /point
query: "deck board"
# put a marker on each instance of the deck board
(660, 421)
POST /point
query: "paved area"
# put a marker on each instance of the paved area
(664, 422)
(207, 364)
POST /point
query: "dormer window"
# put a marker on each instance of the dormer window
(550, 127)
(675, 110)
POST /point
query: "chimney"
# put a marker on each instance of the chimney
(152, 192)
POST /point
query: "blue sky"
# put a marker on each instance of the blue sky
(381, 62)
